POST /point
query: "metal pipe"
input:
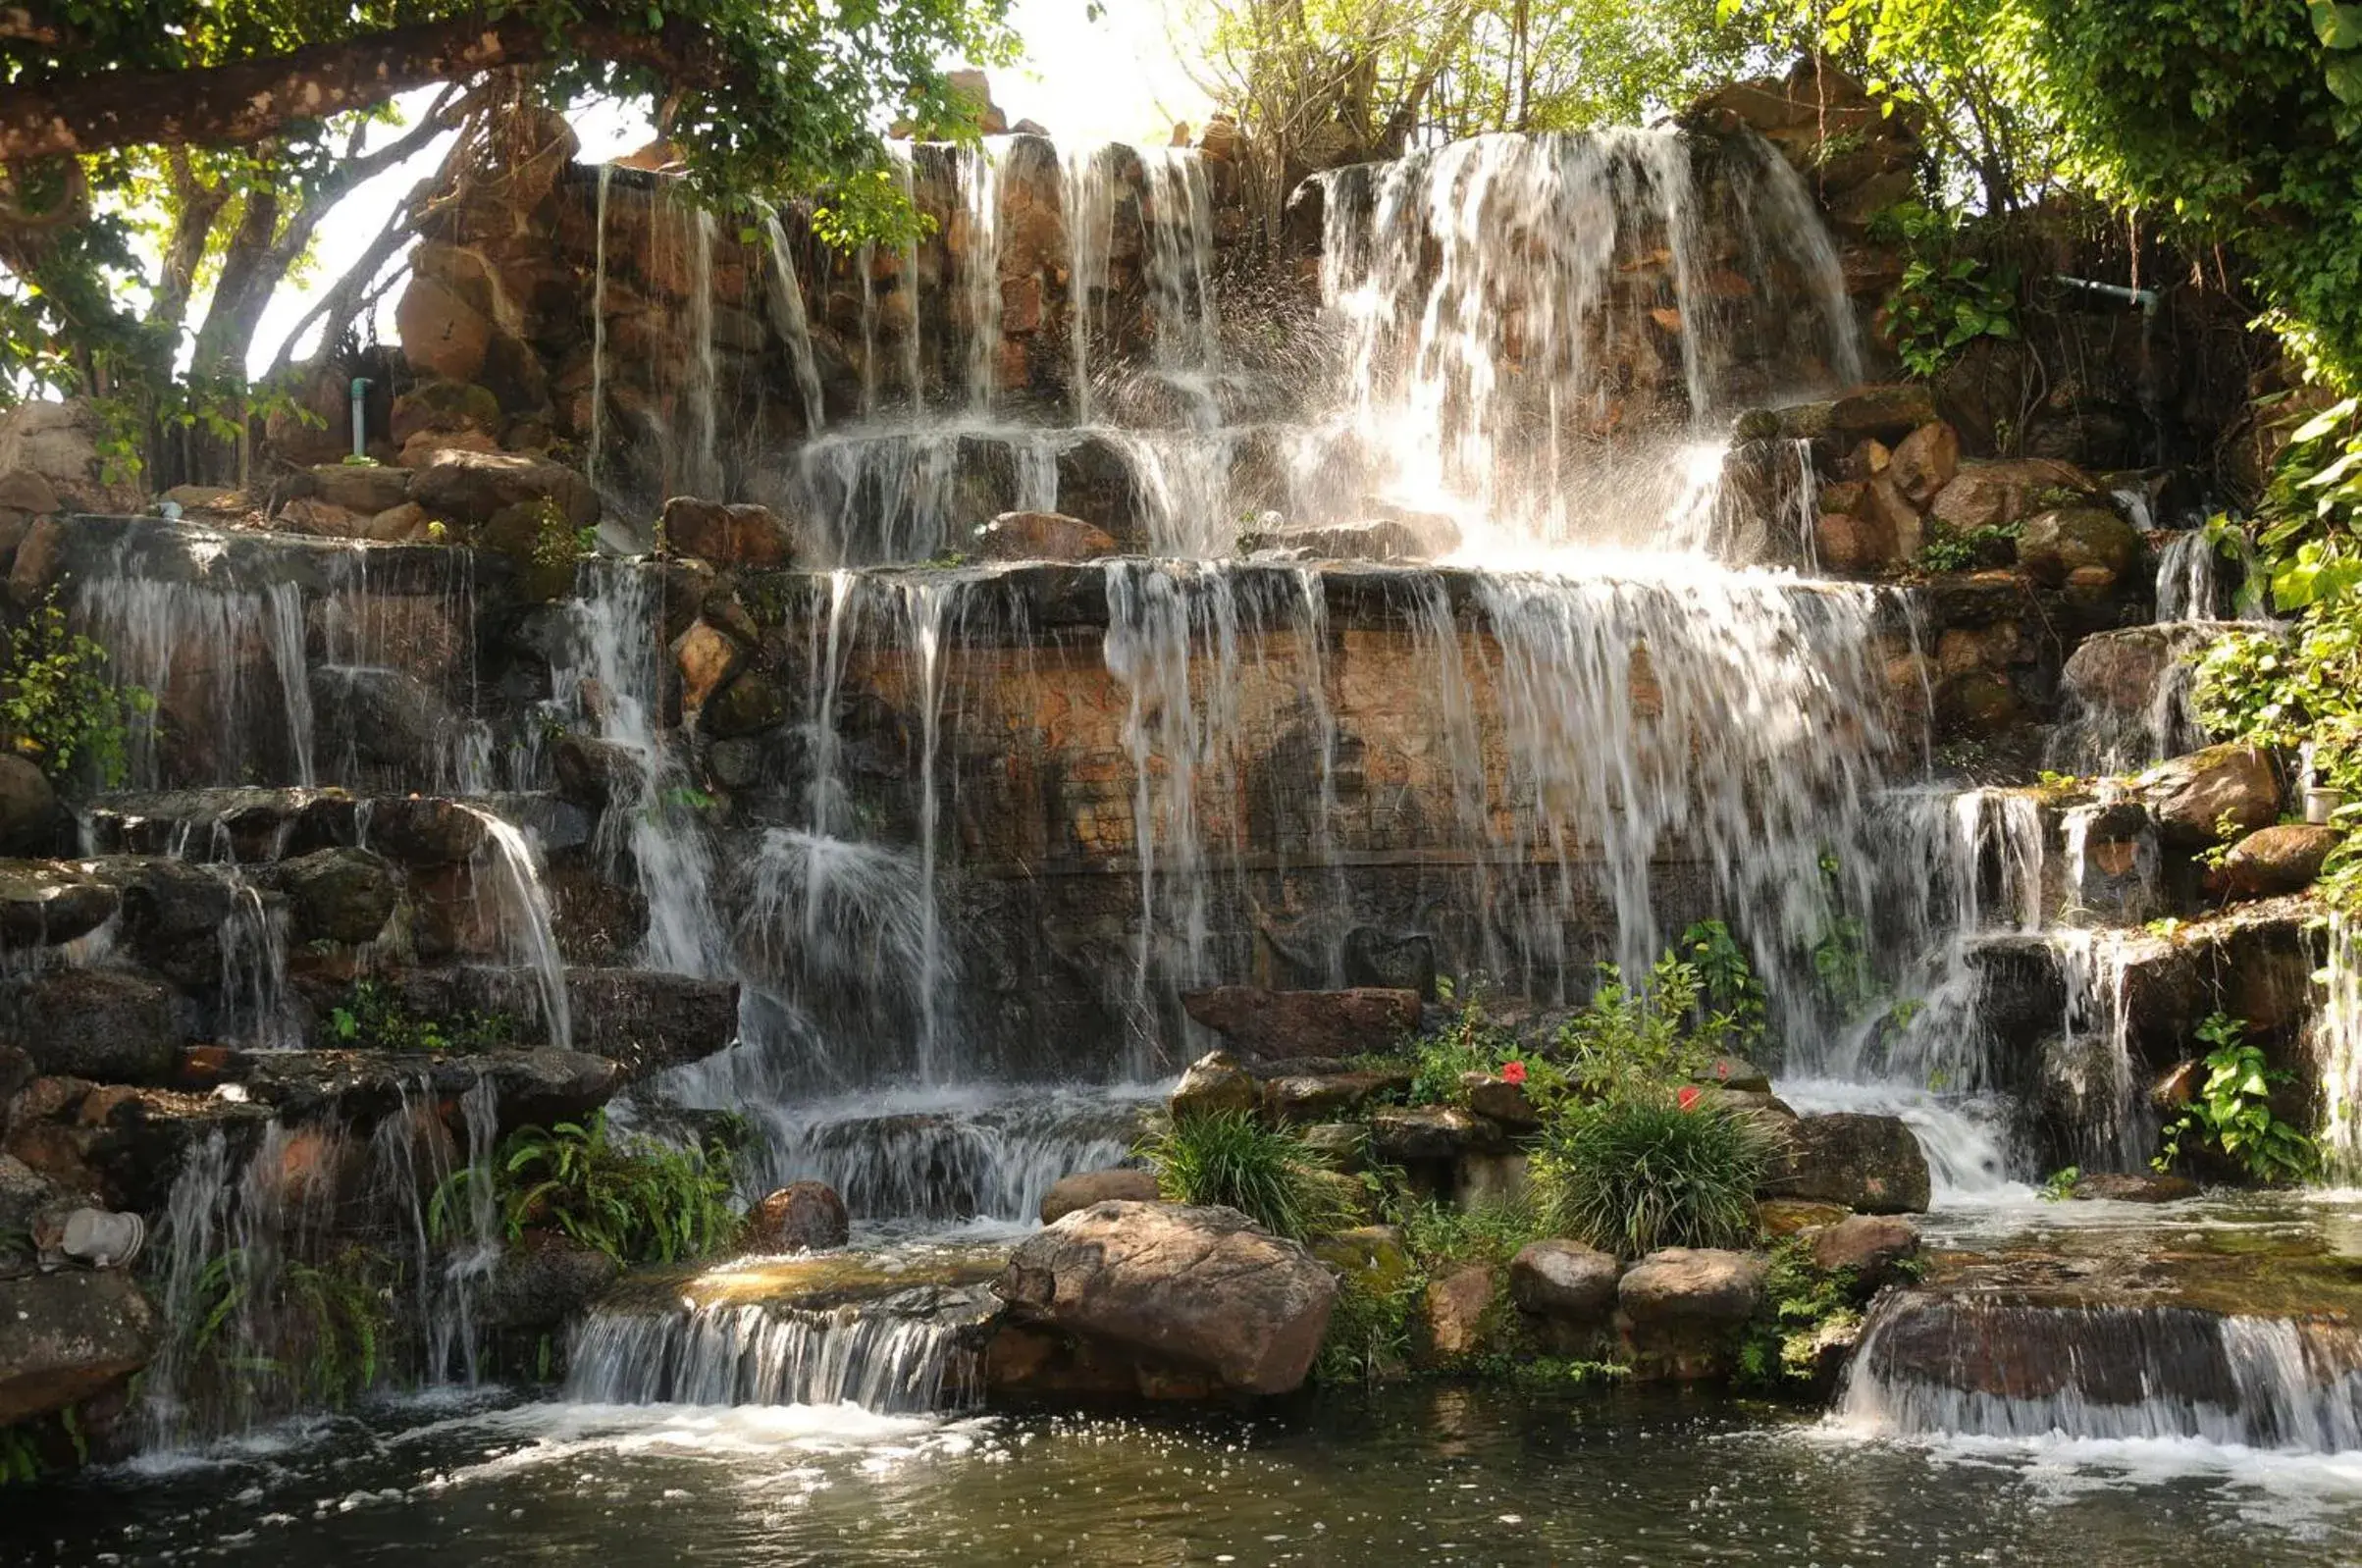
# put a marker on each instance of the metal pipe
(2145, 298)
(360, 416)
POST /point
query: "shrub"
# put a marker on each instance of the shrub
(1369, 1335)
(1801, 1302)
(1632, 1041)
(57, 706)
(1232, 1159)
(2232, 1113)
(372, 1019)
(1633, 1174)
(633, 1198)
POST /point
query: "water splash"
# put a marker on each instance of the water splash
(757, 1354)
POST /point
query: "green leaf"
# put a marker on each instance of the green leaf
(2328, 420)
(2344, 75)
(2337, 27)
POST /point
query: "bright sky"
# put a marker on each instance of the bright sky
(1116, 78)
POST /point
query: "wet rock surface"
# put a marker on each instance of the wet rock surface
(69, 1337)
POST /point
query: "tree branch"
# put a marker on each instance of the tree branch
(248, 100)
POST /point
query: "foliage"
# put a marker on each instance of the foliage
(634, 1199)
(1802, 1304)
(1631, 1174)
(2060, 1186)
(1440, 1235)
(1948, 550)
(1948, 296)
(1632, 1042)
(1469, 1043)
(372, 1017)
(2232, 1116)
(19, 1456)
(1369, 1334)
(1230, 1158)
(324, 1323)
(1728, 989)
(57, 706)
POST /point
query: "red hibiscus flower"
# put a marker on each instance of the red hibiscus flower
(1689, 1096)
(1723, 1070)
(1513, 1073)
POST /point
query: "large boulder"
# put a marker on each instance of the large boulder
(1566, 1280)
(1867, 1163)
(2191, 795)
(1685, 1309)
(1213, 1084)
(1431, 1133)
(1317, 1097)
(65, 445)
(1989, 495)
(337, 895)
(29, 814)
(1873, 1248)
(1086, 1187)
(1205, 1289)
(1925, 462)
(44, 904)
(111, 1025)
(1455, 1311)
(1042, 537)
(1886, 410)
(800, 1216)
(2284, 859)
(472, 488)
(544, 1282)
(726, 535)
(364, 487)
(2087, 546)
(1274, 1026)
(70, 1335)
(646, 1020)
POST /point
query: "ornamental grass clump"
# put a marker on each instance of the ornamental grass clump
(1231, 1159)
(1636, 1173)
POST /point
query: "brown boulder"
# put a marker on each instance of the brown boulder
(1453, 1309)
(111, 1025)
(442, 331)
(1867, 1163)
(1685, 1309)
(1565, 1280)
(1884, 410)
(1431, 1133)
(1042, 537)
(1925, 462)
(2130, 1187)
(1873, 1248)
(369, 487)
(65, 445)
(1991, 493)
(2089, 548)
(2190, 794)
(2285, 859)
(29, 815)
(39, 554)
(473, 486)
(1086, 1187)
(727, 534)
(1214, 1084)
(70, 1335)
(1200, 1287)
(707, 660)
(1275, 1025)
(800, 1216)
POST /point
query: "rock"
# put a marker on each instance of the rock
(444, 407)
(2130, 1187)
(589, 769)
(1989, 495)
(1685, 1308)
(1925, 462)
(1430, 1132)
(2285, 859)
(420, 830)
(406, 524)
(70, 1336)
(1867, 1163)
(1872, 1247)
(1787, 1216)
(64, 444)
(1489, 1180)
(1086, 1187)
(387, 717)
(1734, 1073)
(28, 494)
(1342, 1146)
(800, 1216)
(111, 1025)
(749, 705)
(1273, 1025)
(39, 554)
(1978, 703)
(1882, 410)
(1214, 1084)
(646, 1020)
(43, 905)
(320, 519)
(2089, 546)
(424, 447)
(1497, 1100)
(707, 658)
(470, 487)
(29, 814)
(1453, 1312)
(728, 535)
(2190, 794)
(1199, 1287)
(1042, 537)
(1848, 542)
(1564, 1279)
(544, 1282)
(1375, 1258)
(443, 333)
(365, 488)
(1375, 538)
(1324, 1097)
(337, 895)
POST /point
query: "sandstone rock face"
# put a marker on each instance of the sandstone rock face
(2190, 794)
(2284, 859)
(800, 1216)
(1564, 1279)
(1925, 462)
(1868, 1162)
(1203, 1289)
(1042, 537)
(59, 442)
(108, 1024)
(1874, 1247)
(424, 831)
(1452, 1312)
(472, 486)
(366, 488)
(1889, 410)
(2088, 546)
(646, 1021)
(1273, 1025)
(39, 554)
(70, 1335)
(442, 333)
(1988, 494)
(2128, 1187)
(1086, 1187)
(1684, 1308)
(1214, 1084)
(385, 718)
(1323, 1097)
(728, 535)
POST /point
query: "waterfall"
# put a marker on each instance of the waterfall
(1178, 219)
(703, 477)
(255, 1010)
(980, 259)
(794, 326)
(619, 615)
(521, 912)
(590, 465)
(1970, 1367)
(1087, 198)
(2095, 1064)
(2337, 1045)
(758, 1354)
(914, 381)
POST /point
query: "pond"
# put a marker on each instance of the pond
(1432, 1473)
